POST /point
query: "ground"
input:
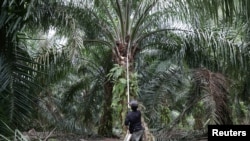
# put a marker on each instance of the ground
(33, 135)
(105, 139)
(82, 139)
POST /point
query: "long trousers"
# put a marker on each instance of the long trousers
(137, 136)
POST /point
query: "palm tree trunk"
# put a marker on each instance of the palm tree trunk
(105, 128)
(148, 136)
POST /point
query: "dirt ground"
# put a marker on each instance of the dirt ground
(33, 135)
(105, 139)
(81, 139)
(75, 138)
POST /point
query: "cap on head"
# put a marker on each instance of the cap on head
(133, 103)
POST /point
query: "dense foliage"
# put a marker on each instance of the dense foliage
(70, 65)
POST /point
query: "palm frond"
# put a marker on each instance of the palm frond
(215, 88)
(5, 70)
(18, 94)
(165, 85)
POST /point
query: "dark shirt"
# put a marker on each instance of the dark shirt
(133, 120)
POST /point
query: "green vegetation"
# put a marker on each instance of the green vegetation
(69, 65)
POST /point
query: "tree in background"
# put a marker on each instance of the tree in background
(138, 34)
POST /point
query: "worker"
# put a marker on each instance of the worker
(133, 122)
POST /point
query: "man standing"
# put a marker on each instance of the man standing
(133, 122)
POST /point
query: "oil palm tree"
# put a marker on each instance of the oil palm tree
(17, 83)
(23, 75)
(128, 28)
(124, 25)
(199, 40)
